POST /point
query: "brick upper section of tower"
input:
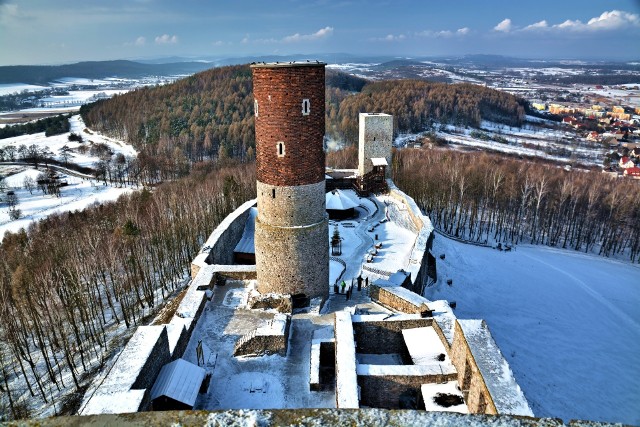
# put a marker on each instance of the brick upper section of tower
(283, 116)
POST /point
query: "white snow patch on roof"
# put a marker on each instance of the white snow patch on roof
(179, 380)
(379, 161)
(338, 200)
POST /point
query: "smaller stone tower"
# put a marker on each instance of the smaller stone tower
(375, 136)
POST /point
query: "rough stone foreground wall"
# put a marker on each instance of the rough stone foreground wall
(385, 391)
(461, 354)
(420, 263)
(298, 417)
(385, 337)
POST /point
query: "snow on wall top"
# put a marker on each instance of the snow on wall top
(401, 370)
(226, 223)
(505, 391)
(174, 333)
(346, 378)
(425, 347)
(124, 372)
(384, 317)
(120, 402)
(405, 294)
(179, 380)
(444, 317)
(246, 244)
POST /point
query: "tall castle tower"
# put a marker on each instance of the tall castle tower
(292, 228)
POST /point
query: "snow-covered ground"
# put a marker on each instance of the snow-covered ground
(79, 194)
(56, 142)
(568, 323)
(531, 139)
(10, 88)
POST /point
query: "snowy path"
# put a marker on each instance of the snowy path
(567, 323)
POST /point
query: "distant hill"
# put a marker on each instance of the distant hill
(210, 114)
(42, 74)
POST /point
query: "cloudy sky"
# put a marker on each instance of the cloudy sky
(62, 31)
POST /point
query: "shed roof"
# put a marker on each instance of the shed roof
(379, 161)
(179, 380)
(246, 244)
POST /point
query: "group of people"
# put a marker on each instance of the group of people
(347, 290)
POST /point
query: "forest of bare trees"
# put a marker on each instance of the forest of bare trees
(484, 197)
(73, 284)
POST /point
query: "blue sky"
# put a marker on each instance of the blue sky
(62, 31)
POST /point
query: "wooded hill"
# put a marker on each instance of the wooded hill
(43, 74)
(210, 114)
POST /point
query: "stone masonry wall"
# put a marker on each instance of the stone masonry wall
(385, 391)
(463, 360)
(375, 137)
(385, 337)
(292, 205)
(293, 260)
(388, 299)
(158, 357)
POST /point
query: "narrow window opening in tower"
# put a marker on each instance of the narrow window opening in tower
(306, 107)
(280, 148)
(374, 138)
(255, 107)
(273, 193)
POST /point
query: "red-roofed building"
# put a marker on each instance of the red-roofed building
(632, 172)
(626, 162)
(592, 136)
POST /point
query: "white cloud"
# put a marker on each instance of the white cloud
(166, 39)
(612, 20)
(445, 33)
(218, 43)
(504, 26)
(537, 26)
(394, 38)
(320, 34)
(140, 41)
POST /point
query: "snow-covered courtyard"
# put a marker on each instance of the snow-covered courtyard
(568, 323)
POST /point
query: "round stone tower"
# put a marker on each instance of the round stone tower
(292, 229)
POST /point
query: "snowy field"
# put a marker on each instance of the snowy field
(79, 194)
(56, 142)
(567, 323)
